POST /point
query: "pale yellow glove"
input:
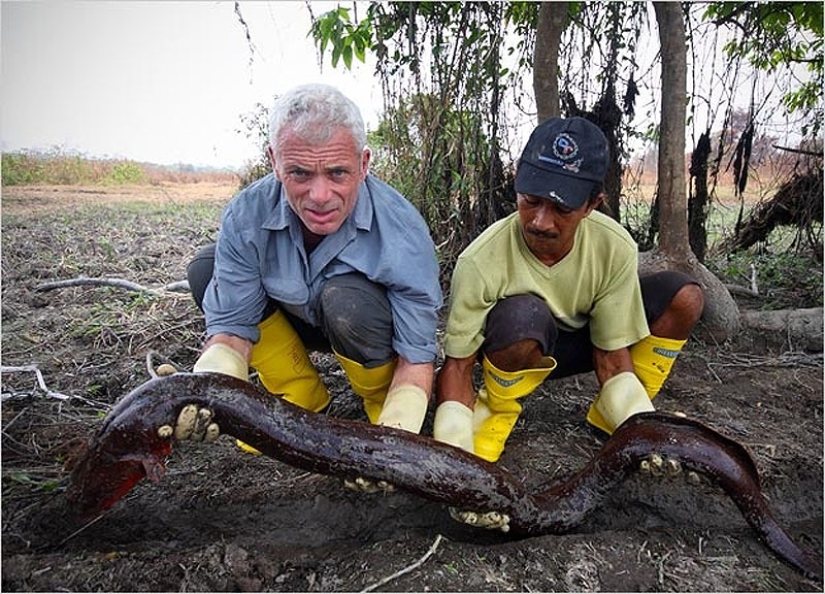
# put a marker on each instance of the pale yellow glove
(192, 423)
(488, 520)
(453, 424)
(621, 397)
(362, 485)
(195, 423)
(404, 408)
(220, 358)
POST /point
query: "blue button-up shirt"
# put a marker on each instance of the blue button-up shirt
(260, 255)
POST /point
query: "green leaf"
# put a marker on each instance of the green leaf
(347, 54)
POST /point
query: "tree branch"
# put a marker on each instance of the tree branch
(798, 151)
(42, 383)
(175, 287)
(407, 569)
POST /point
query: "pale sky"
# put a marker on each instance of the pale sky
(163, 82)
(166, 82)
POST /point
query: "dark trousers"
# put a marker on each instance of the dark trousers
(522, 317)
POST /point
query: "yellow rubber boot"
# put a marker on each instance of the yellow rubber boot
(284, 367)
(653, 357)
(371, 384)
(497, 408)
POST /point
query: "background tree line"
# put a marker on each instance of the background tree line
(453, 74)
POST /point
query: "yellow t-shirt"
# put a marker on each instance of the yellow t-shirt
(596, 283)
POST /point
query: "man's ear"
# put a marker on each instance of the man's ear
(271, 155)
(594, 203)
(365, 162)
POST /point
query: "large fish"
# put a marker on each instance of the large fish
(129, 446)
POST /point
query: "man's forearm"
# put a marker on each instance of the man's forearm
(241, 345)
(419, 375)
(455, 381)
(608, 364)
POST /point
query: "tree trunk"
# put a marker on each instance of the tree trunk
(721, 315)
(551, 24)
(673, 230)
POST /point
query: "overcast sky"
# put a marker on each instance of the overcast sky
(164, 82)
(167, 82)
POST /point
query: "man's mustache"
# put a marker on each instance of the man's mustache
(542, 234)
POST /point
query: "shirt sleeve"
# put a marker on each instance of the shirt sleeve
(469, 307)
(617, 319)
(414, 291)
(235, 297)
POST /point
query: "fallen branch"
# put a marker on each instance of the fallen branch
(42, 383)
(740, 290)
(788, 359)
(175, 287)
(407, 569)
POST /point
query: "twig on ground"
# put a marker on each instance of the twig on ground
(740, 290)
(787, 359)
(42, 383)
(407, 569)
(175, 287)
(79, 530)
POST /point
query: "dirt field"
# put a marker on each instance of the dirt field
(222, 520)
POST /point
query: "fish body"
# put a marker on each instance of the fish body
(128, 447)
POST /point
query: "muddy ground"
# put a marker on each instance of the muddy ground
(223, 520)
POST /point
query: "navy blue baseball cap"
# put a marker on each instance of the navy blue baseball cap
(563, 161)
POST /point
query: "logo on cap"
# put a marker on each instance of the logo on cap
(555, 196)
(564, 149)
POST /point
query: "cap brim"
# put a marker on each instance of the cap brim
(568, 191)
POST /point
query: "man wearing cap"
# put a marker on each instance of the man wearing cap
(551, 291)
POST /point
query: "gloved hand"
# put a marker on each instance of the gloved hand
(404, 408)
(620, 397)
(220, 358)
(656, 465)
(488, 520)
(192, 423)
(453, 424)
(363, 485)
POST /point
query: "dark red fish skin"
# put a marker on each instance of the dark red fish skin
(127, 447)
(697, 447)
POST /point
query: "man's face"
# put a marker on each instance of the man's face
(321, 181)
(548, 227)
